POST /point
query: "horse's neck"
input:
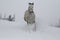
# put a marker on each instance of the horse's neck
(30, 12)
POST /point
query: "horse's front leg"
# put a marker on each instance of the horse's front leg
(34, 28)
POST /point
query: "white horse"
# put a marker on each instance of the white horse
(29, 16)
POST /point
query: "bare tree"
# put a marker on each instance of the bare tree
(11, 18)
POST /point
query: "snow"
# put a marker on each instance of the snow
(16, 31)
(47, 16)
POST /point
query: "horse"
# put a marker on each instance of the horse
(29, 16)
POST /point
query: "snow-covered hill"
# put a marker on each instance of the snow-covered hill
(15, 31)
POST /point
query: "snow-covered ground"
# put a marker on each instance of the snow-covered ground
(47, 15)
(16, 31)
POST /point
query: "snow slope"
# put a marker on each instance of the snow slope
(47, 13)
(14, 31)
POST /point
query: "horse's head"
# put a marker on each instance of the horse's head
(30, 8)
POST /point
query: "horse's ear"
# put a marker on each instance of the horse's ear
(29, 3)
(32, 3)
